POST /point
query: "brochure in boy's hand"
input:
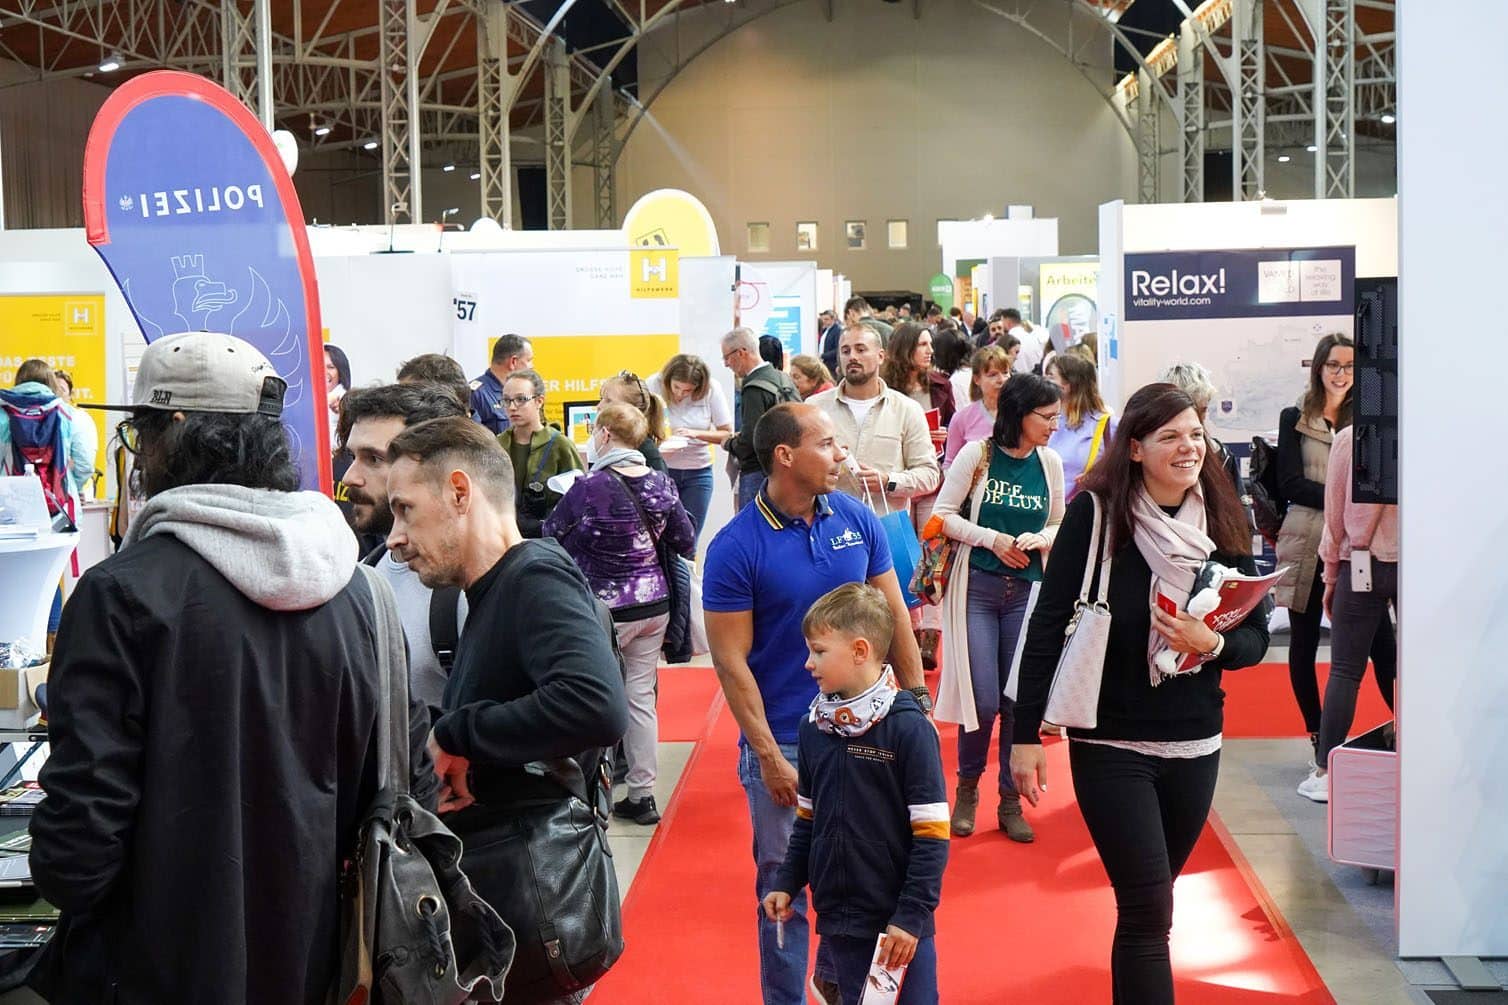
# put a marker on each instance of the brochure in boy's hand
(883, 985)
(1239, 595)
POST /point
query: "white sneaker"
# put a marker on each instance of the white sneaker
(1316, 787)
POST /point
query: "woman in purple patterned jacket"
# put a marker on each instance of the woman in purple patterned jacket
(610, 521)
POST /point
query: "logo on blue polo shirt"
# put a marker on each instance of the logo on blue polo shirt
(850, 538)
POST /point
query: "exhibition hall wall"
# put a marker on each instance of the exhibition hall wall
(42, 131)
(877, 116)
(1453, 840)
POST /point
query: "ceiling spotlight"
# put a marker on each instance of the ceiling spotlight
(110, 64)
(1284, 158)
(322, 131)
(369, 145)
(1312, 148)
(475, 175)
(1387, 120)
(448, 167)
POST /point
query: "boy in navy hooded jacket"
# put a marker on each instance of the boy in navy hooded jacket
(871, 835)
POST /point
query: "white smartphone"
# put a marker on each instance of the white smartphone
(1361, 571)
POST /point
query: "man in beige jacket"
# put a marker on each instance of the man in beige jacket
(889, 445)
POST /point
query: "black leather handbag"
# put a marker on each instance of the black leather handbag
(414, 930)
(545, 865)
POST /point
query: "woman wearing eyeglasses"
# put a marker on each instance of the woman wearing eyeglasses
(1305, 433)
(626, 387)
(538, 451)
(1001, 501)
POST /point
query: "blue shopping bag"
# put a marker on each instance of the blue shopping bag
(905, 551)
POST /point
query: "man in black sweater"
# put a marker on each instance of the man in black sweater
(535, 677)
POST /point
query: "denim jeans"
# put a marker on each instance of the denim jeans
(782, 972)
(852, 957)
(995, 608)
(1357, 619)
(1144, 815)
(749, 484)
(695, 487)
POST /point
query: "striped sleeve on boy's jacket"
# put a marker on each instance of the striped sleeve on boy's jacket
(927, 803)
(794, 872)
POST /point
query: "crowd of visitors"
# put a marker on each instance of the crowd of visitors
(536, 582)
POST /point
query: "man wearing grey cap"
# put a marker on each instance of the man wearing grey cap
(214, 711)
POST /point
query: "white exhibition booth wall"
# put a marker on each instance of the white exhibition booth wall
(591, 304)
(1058, 292)
(1259, 364)
(1453, 841)
(968, 246)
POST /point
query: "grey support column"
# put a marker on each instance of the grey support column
(400, 166)
(557, 144)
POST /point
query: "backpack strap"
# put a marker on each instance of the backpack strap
(544, 455)
(1098, 441)
(643, 515)
(445, 624)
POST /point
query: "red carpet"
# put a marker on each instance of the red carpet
(1017, 922)
(685, 702)
(1259, 703)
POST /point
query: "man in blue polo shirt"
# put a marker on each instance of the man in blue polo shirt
(510, 354)
(769, 564)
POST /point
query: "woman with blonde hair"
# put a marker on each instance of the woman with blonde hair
(991, 369)
(810, 375)
(698, 413)
(626, 387)
(611, 522)
(1088, 427)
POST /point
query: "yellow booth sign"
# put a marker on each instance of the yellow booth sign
(574, 367)
(67, 330)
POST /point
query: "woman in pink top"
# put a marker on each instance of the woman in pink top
(1359, 547)
(991, 366)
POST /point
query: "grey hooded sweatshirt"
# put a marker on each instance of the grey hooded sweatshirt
(213, 723)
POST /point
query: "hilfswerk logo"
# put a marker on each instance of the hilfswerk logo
(850, 538)
(194, 201)
(1176, 289)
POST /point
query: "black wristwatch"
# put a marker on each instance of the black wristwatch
(923, 697)
(890, 486)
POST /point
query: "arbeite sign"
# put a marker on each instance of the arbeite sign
(187, 201)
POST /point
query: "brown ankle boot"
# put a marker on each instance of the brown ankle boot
(964, 806)
(927, 640)
(1012, 823)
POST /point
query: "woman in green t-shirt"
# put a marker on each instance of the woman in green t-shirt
(1002, 501)
(538, 451)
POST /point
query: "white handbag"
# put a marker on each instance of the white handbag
(1074, 698)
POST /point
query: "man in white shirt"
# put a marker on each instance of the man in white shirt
(885, 432)
(370, 418)
(1033, 341)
